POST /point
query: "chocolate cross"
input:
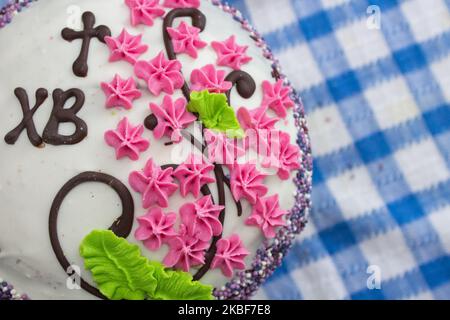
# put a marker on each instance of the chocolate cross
(80, 66)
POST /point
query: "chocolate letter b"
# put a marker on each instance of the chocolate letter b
(62, 115)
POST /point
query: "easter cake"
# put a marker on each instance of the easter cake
(151, 149)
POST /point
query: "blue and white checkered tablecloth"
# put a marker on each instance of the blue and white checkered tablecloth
(377, 102)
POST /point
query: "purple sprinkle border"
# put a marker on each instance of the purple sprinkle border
(7, 292)
(269, 257)
(11, 8)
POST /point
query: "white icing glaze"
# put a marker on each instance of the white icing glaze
(30, 177)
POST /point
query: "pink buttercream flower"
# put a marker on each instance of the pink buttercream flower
(257, 126)
(221, 149)
(247, 182)
(120, 92)
(255, 119)
(193, 174)
(202, 218)
(161, 74)
(267, 215)
(155, 228)
(172, 118)
(230, 54)
(144, 11)
(186, 39)
(182, 3)
(276, 97)
(126, 47)
(185, 251)
(127, 140)
(208, 78)
(155, 184)
(230, 255)
(281, 154)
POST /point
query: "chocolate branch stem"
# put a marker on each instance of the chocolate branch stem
(199, 21)
(246, 87)
(238, 202)
(209, 256)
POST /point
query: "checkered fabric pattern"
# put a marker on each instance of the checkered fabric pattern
(377, 101)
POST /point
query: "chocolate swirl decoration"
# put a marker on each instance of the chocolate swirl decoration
(198, 21)
(121, 226)
(244, 83)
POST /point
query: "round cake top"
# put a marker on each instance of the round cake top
(170, 150)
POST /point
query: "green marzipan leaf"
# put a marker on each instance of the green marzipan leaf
(117, 266)
(121, 272)
(178, 285)
(215, 113)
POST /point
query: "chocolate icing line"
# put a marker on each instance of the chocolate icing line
(244, 83)
(198, 20)
(80, 65)
(27, 120)
(199, 145)
(121, 226)
(151, 122)
(211, 252)
(238, 202)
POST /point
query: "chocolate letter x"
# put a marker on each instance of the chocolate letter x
(27, 121)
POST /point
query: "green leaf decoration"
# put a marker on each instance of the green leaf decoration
(215, 113)
(122, 273)
(178, 285)
(117, 266)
